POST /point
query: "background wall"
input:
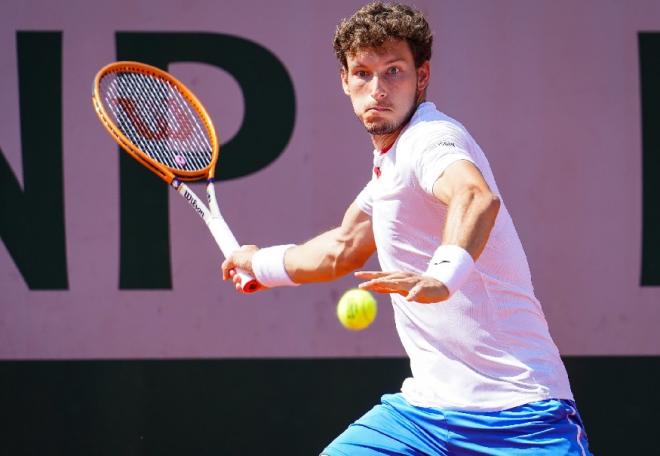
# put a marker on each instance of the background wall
(563, 97)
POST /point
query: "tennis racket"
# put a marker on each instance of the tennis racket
(162, 125)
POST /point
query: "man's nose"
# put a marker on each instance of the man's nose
(377, 89)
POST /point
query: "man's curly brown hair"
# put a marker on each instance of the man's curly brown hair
(377, 22)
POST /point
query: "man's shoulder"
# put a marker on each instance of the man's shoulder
(429, 126)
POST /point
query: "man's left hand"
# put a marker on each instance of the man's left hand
(414, 287)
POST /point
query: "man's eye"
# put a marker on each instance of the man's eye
(361, 74)
(393, 70)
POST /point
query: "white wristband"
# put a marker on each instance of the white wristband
(268, 267)
(451, 265)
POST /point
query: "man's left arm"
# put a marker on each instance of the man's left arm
(471, 214)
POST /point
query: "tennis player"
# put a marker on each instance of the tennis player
(487, 378)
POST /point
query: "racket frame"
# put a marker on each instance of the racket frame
(162, 171)
(211, 214)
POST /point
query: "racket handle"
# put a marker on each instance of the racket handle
(248, 283)
(228, 245)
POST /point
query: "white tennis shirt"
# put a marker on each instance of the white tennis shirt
(488, 347)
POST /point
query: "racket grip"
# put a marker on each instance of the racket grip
(228, 245)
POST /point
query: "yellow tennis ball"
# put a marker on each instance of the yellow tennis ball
(357, 309)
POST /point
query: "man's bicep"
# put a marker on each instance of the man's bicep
(458, 176)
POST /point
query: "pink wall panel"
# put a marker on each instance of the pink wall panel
(550, 89)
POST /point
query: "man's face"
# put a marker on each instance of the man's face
(384, 86)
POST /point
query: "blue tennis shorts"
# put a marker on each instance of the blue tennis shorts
(394, 427)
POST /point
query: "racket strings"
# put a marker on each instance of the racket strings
(154, 115)
(168, 106)
(177, 123)
(174, 126)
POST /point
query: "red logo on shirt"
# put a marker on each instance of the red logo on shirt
(378, 160)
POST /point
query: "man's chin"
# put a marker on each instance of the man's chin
(380, 128)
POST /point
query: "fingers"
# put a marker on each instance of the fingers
(414, 287)
(414, 292)
(241, 258)
(227, 268)
(371, 274)
(428, 292)
(236, 278)
(377, 287)
(382, 281)
(387, 282)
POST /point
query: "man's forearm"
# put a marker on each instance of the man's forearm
(326, 257)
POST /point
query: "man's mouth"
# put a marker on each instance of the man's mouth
(378, 108)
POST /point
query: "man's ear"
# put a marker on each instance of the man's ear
(423, 76)
(343, 74)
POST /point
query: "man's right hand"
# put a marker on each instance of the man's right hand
(242, 259)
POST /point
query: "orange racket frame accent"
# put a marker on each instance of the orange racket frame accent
(162, 171)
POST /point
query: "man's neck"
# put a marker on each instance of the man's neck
(382, 142)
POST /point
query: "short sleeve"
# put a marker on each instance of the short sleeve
(441, 150)
(364, 200)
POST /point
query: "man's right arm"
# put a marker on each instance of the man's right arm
(326, 257)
